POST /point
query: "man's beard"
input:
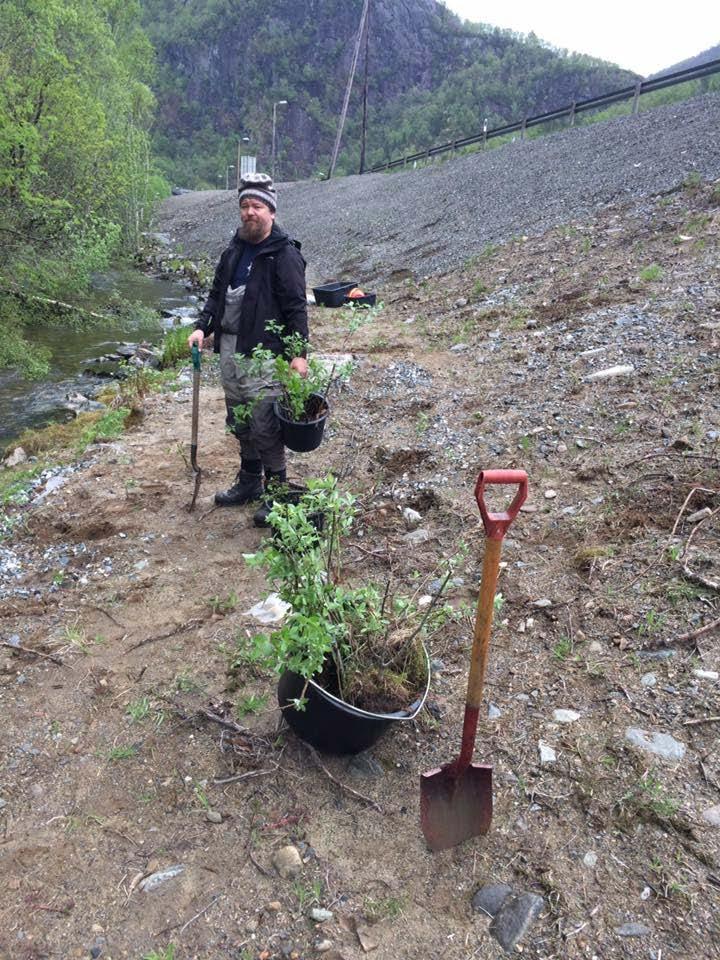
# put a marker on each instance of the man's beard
(252, 232)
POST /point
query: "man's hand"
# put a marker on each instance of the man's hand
(299, 365)
(197, 336)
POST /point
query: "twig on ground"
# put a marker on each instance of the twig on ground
(699, 579)
(694, 723)
(259, 866)
(184, 927)
(35, 653)
(687, 501)
(245, 776)
(180, 628)
(354, 793)
(117, 623)
(686, 637)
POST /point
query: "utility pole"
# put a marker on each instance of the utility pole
(365, 93)
(346, 101)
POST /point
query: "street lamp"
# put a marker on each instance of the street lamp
(275, 106)
(227, 175)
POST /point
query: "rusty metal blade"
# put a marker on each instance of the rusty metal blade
(455, 807)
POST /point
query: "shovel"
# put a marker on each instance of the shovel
(456, 800)
(194, 435)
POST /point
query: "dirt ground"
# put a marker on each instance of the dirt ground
(119, 622)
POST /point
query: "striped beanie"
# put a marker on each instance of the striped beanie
(260, 187)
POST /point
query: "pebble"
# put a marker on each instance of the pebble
(490, 898)
(287, 861)
(550, 494)
(514, 919)
(648, 680)
(632, 930)
(322, 946)
(547, 753)
(161, 876)
(494, 712)
(542, 604)
(621, 370)
(274, 906)
(213, 816)
(411, 518)
(566, 716)
(699, 515)
(365, 766)
(660, 744)
(320, 914)
(712, 815)
(421, 535)
(706, 674)
(590, 859)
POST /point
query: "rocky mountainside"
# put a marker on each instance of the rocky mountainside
(221, 67)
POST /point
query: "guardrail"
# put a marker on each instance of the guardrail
(634, 92)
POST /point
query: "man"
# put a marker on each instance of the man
(257, 299)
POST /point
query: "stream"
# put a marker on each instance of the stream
(36, 403)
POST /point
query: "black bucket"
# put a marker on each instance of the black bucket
(303, 435)
(331, 725)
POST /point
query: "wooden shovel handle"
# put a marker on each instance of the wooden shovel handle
(496, 526)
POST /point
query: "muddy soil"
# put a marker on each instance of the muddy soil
(128, 752)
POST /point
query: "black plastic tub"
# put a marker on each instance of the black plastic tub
(332, 294)
(303, 435)
(331, 725)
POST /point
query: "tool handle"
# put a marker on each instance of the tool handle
(496, 524)
(195, 356)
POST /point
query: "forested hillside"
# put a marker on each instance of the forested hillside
(75, 165)
(222, 65)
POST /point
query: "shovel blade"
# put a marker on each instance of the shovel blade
(455, 807)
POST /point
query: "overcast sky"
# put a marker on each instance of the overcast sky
(641, 35)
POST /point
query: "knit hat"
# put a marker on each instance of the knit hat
(260, 187)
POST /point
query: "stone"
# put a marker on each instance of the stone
(322, 946)
(621, 370)
(320, 914)
(632, 930)
(590, 859)
(547, 753)
(490, 898)
(159, 877)
(542, 604)
(421, 535)
(566, 716)
(706, 674)
(660, 744)
(648, 680)
(712, 815)
(699, 515)
(17, 457)
(365, 766)
(494, 713)
(213, 816)
(287, 861)
(550, 494)
(514, 919)
(411, 518)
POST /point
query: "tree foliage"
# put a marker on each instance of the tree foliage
(75, 110)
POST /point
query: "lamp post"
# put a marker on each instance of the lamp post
(227, 175)
(274, 125)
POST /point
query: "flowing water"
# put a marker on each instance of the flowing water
(73, 348)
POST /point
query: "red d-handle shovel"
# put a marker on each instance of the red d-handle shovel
(456, 800)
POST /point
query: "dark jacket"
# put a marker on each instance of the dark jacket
(275, 291)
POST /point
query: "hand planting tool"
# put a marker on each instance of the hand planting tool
(194, 435)
(456, 800)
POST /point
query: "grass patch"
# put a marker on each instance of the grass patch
(175, 347)
(16, 483)
(652, 273)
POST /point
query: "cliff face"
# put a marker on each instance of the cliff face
(222, 65)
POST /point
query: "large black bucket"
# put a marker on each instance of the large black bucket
(330, 724)
(301, 435)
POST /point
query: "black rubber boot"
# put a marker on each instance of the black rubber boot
(276, 490)
(247, 487)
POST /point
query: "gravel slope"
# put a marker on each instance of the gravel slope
(431, 220)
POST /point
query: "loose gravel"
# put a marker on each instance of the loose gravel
(432, 219)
